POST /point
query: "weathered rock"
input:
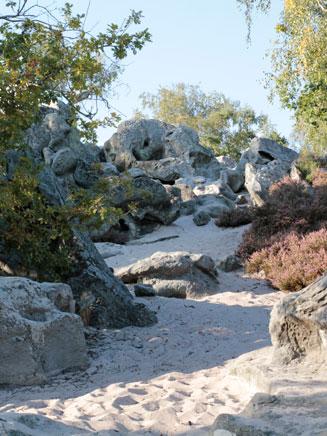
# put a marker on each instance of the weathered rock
(201, 218)
(166, 170)
(186, 189)
(136, 172)
(233, 178)
(107, 169)
(231, 263)
(183, 142)
(276, 415)
(215, 206)
(298, 324)
(227, 161)
(187, 207)
(144, 290)
(63, 162)
(178, 274)
(295, 173)
(259, 178)
(107, 249)
(177, 150)
(263, 151)
(217, 188)
(39, 336)
(52, 131)
(136, 140)
(31, 424)
(102, 300)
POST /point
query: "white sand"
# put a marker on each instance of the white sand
(171, 378)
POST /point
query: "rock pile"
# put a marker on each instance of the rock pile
(165, 170)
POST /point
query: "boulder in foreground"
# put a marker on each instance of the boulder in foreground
(178, 274)
(298, 324)
(39, 334)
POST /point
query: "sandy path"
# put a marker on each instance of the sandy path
(171, 378)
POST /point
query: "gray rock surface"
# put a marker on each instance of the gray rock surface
(166, 170)
(259, 178)
(230, 263)
(201, 218)
(144, 290)
(263, 151)
(102, 299)
(178, 274)
(63, 162)
(298, 324)
(234, 178)
(25, 424)
(276, 415)
(39, 335)
(177, 149)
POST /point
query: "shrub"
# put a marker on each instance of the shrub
(292, 207)
(288, 237)
(293, 262)
(235, 217)
(36, 236)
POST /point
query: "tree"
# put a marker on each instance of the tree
(46, 57)
(223, 125)
(299, 65)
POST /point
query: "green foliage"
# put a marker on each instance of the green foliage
(38, 234)
(307, 164)
(31, 229)
(223, 125)
(299, 64)
(44, 59)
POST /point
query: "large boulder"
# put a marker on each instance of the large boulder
(40, 335)
(178, 274)
(153, 205)
(102, 299)
(177, 149)
(136, 140)
(263, 151)
(298, 324)
(166, 170)
(262, 164)
(259, 178)
(234, 178)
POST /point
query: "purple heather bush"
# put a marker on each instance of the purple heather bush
(293, 262)
(287, 240)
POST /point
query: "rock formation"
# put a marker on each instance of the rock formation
(40, 335)
(289, 378)
(179, 274)
(298, 324)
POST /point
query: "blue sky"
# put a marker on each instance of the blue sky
(196, 42)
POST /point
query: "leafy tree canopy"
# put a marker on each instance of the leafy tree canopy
(299, 64)
(49, 55)
(223, 125)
